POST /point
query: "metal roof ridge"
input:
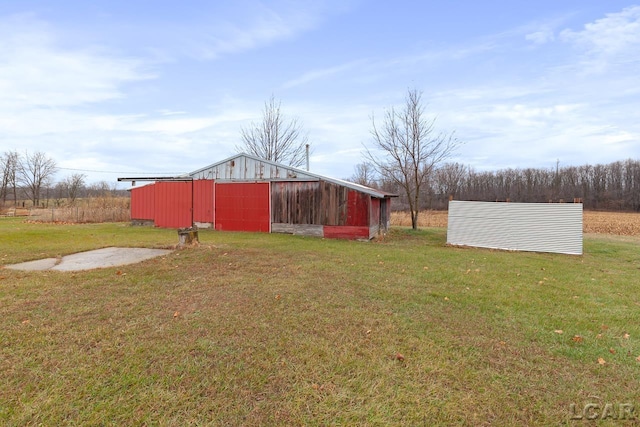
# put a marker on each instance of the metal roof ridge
(352, 185)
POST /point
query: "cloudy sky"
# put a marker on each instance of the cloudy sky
(120, 88)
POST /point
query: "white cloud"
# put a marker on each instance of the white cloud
(324, 73)
(259, 27)
(36, 72)
(171, 126)
(543, 36)
(616, 33)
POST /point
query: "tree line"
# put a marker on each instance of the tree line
(408, 157)
(30, 177)
(614, 186)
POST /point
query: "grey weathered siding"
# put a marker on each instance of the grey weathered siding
(246, 168)
(315, 202)
(537, 227)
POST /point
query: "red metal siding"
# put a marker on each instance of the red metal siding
(345, 232)
(357, 209)
(173, 202)
(242, 206)
(143, 202)
(203, 200)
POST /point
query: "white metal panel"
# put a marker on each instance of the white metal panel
(537, 227)
(246, 168)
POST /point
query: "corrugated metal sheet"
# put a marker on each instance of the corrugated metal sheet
(203, 200)
(245, 167)
(536, 227)
(143, 202)
(346, 232)
(242, 206)
(358, 208)
(173, 204)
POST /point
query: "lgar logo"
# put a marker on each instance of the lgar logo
(608, 411)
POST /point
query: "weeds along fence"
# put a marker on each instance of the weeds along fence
(80, 215)
(93, 210)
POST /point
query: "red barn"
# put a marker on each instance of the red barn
(246, 193)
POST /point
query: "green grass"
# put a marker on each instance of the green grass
(259, 329)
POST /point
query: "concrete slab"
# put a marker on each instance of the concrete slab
(99, 258)
(37, 265)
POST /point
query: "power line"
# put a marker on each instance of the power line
(121, 172)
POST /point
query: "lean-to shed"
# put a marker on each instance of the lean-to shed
(246, 193)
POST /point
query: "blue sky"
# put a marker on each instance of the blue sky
(120, 88)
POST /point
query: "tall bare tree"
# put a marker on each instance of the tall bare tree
(8, 166)
(406, 148)
(275, 138)
(72, 186)
(35, 171)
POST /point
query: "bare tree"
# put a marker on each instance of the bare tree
(449, 179)
(275, 138)
(364, 174)
(406, 149)
(8, 164)
(35, 171)
(73, 184)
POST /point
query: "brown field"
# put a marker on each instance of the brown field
(89, 210)
(616, 223)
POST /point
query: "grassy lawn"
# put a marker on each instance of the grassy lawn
(258, 329)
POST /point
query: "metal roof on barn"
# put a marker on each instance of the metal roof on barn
(246, 167)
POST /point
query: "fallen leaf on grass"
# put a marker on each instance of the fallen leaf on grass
(278, 297)
(626, 336)
(612, 350)
(638, 358)
(176, 314)
(399, 357)
(601, 361)
(559, 331)
(446, 298)
(577, 338)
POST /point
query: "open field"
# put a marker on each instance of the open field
(88, 210)
(618, 223)
(259, 329)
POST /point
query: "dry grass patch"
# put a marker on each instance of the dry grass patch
(259, 329)
(425, 219)
(90, 210)
(616, 223)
